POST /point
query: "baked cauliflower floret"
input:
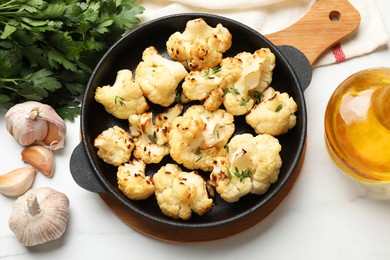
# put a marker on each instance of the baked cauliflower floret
(219, 126)
(214, 100)
(257, 157)
(114, 146)
(199, 46)
(256, 74)
(199, 135)
(159, 77)
(180, 193)
(205, 85)
(124, 98)
(267, 64)
(231, 69)
(274, 115)
(252, 165)
(227, 181)
(151, 140)
(133, 182)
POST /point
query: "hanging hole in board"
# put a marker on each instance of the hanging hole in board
(334, 16)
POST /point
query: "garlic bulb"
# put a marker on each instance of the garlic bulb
(39, 216)
(32, 122)
(17, 182)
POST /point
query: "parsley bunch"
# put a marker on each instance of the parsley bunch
(48, 48)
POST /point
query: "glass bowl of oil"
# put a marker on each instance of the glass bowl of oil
(357, 129)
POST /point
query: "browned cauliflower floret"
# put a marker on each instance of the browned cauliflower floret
(114, 146)
(159, 77)
(180, 193)
(231, 69)
(258, 155)
(274, 114)
(199, 135)
(199, 45)
(229, 186)
(151, 140)
(245, 84)
(252, 165)
(124, 98)
(214, 100)
(205, 85)
(133, 182)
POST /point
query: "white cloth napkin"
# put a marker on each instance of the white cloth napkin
(267, 16)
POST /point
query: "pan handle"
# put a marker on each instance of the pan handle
(327, 23)
(299, 63)
(82, 171)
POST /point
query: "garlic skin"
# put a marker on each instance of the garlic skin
(17, 182)
(39, 216)
(41, 158)
(32, 122)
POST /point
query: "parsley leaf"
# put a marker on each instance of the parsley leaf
(48, 48)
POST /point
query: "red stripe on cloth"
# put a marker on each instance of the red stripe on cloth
(338, 53)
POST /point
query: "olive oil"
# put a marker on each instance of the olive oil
(357, 141)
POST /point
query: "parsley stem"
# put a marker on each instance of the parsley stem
(11, 89)
(10, 80)
(7, 5)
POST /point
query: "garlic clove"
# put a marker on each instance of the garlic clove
(41, 158)
(55, 137)
(39, 216)
(17, 182)
(32, 122)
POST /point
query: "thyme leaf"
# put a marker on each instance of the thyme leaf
(232, 90)
(119, 100)
(241, 175)
(279, 107)
(153, 138)
(210, 73)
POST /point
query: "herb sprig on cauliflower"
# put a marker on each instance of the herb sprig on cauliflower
(252, 165)
(231, 187)
(206, 85)
(151, 139)
(274, 115)
(248, 75)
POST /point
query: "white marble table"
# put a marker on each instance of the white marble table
(325, 216)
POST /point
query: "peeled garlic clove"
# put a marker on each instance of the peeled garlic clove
(41, 158)
(32, 122)
(39, 216)
(17, 182)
